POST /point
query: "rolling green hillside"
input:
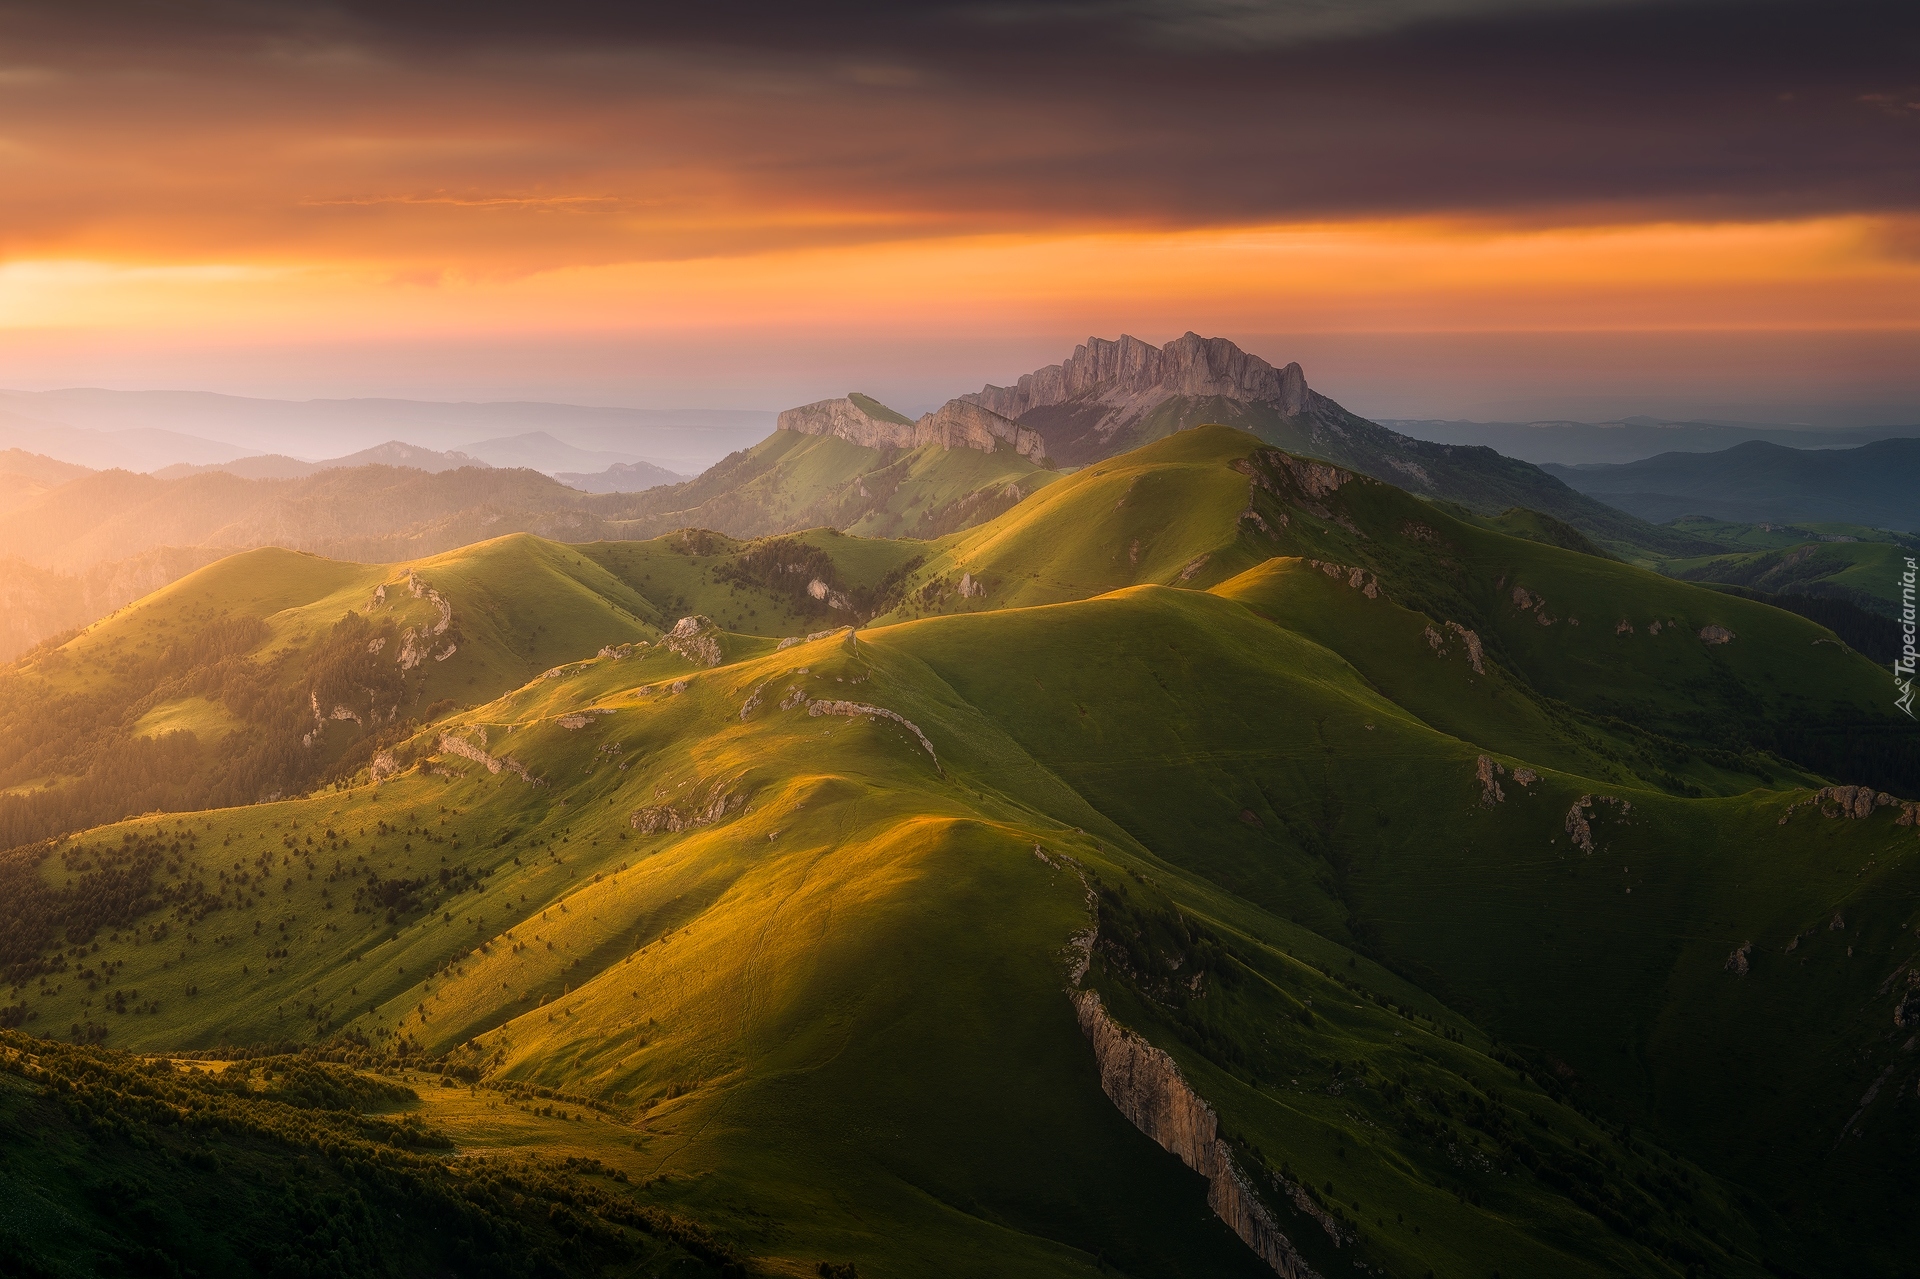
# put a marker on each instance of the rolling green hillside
(1847, 562)
(1481, 892)
(1612, 653)
(272, 671)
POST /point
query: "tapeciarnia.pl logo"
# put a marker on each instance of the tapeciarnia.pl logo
(1903, 665)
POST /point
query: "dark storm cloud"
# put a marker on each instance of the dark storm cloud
(1155, 112)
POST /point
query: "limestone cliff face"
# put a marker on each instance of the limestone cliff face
(960, 424)
(1147, 1087)
(1132, 378)
(957, 424)
(848, 421)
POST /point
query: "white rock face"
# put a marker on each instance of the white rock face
(1146, 1085)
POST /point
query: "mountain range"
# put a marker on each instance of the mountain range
(147, 430)
(851, 463)
(1876, 484)
(1219, 862)
(1634, 438)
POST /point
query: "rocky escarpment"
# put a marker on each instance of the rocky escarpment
(957, 424)
(1146, 1085)
(1132, 378)
(960, 424)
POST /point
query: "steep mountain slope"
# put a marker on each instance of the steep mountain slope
(1876, 484)
(1112, 396)
(941, 947)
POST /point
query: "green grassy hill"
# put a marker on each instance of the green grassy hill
(1612, 653)
(1483, 914)
(1848, 562)
(273, 671)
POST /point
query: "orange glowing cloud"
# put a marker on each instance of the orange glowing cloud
(1832, 273)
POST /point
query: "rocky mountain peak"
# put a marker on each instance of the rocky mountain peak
(1135, 376)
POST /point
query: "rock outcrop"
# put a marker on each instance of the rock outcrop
(1475, 654)
(1489, 772)
(1358, 578)
(1578, 825)
(416, 642)
(1739, 961)
(1716, 635)
(957, 424)
(1146, 1085)
(1906, 1013)
(881, 712)
(1857, 802)
(451, 745)
(713, 802)
(695, 639)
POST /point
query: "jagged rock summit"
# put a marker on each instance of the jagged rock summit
(957, 424)
(1089, 401)
(1134, 377)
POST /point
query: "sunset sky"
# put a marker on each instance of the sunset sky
(1521, 208)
